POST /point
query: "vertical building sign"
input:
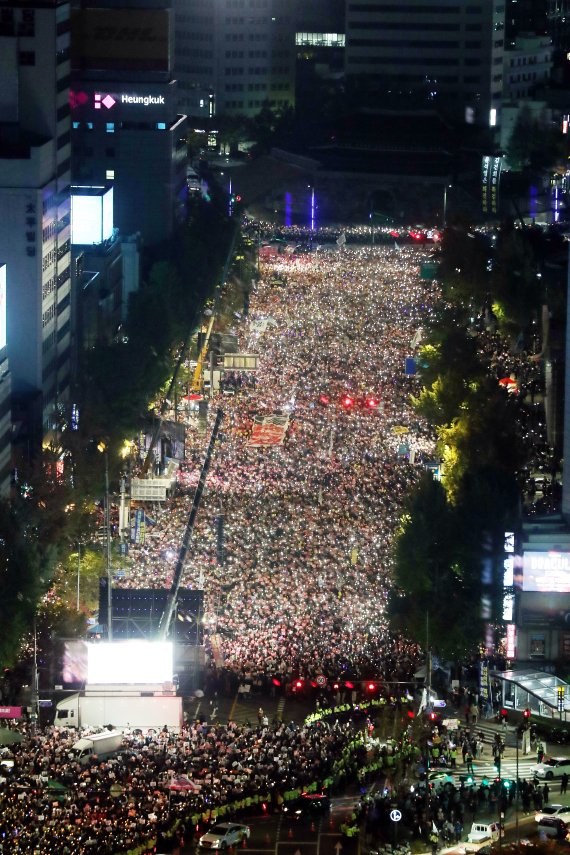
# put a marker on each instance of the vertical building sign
(485, 185)
(511, 641)
(490, 181)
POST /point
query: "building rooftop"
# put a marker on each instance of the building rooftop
(17, 144)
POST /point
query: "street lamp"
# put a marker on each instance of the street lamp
(102, 448)
(445, 189)
(312, 212)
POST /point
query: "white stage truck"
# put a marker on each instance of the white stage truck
(126, 708)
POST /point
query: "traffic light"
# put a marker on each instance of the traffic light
(371, 402)
(433, 716)
(504, 715)
(411, 714)
(347, 402)
(526, 714)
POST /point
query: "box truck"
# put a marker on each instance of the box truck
(100, 744)
(132, 710)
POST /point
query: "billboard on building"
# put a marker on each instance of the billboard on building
(120, 39)
(91, 216)
(548, 572)
(2, 306)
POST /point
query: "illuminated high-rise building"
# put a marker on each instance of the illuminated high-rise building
(125, 126)
(35, 200)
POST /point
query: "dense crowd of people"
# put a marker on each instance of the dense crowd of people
(308, 523)
(51, 803)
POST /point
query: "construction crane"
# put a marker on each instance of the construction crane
(170, 605)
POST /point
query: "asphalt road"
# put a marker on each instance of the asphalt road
(277, 834)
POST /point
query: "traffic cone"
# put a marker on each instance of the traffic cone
(244, 842)
(290, 833)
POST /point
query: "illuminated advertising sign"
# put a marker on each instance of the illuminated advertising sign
(91, 217)
(2, 306)
(490, 181)
(511, 641)
(548, 572)
(130, 662)
(102, 99)
(509, 572)
(508, 607)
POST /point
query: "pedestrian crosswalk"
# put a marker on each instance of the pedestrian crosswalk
(485, 768)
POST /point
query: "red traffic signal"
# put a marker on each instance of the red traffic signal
(526, 713)
(371, 402)
(411, 714)
(298, 684)
(238, 198)
(347, 402)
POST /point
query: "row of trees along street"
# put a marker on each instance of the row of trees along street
(493, 288)
(51, 516)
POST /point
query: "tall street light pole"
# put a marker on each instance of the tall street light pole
(108, 553)
(445, 189)
(78, 571)
(103, 449)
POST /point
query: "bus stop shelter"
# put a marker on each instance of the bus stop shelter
(544, 694)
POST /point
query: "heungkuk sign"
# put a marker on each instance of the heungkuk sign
(108, 101)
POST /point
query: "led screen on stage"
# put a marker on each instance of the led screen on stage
(130, 662)
(548, 572)
(74, 662)
(2, 306)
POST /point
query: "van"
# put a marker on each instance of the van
(100, 745)
(483, 832)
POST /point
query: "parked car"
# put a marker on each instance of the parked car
(308, 804)
(223, 835)
(560, 811)
(437, 781)
(553, 767)
(552, 826)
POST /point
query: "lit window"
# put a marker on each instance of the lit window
(492, 117)
(76, 125)
(110, 174)
(90, 125)
(161, 126)
(110, 127)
